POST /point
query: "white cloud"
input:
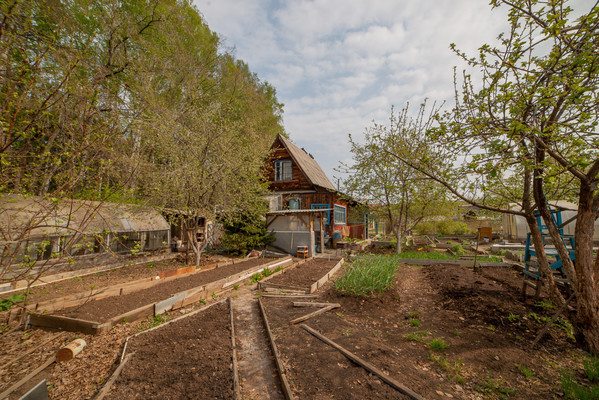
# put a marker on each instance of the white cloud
(339, 64)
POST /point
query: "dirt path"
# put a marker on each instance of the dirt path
(257, 371)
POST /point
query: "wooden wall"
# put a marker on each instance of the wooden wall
(298, 182)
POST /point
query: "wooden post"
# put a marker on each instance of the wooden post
(321, 233)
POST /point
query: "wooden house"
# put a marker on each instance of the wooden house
(297, 183)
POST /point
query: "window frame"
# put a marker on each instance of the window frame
(318, 206)
(337, 209)
(280, 175)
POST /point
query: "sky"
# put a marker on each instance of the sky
(339, 65)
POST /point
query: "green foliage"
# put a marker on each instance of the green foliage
(417, 336)
(367, 276)
(414, 322)
(457, 249)
(244, 233)
(575, 391)
(454, 369)
(8, 302)
(429, 255)
(437, 345)
(525, 371)
(152, 322)
(494, 387)
(591, 368)
(414, 314)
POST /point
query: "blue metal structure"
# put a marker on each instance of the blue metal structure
(531, 266)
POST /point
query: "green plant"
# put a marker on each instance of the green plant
(573, 390)
(235, 287)
(545, 304)
(454, 369)
(491, 328)
(456, 333)
(458, 249)
(152, 322)
(491, 387)
(257, 277)
(437, 345)
(525, 371)
(8, 302)
(414, 315)
(513, 317)
(368, 276)
(417, 336)
(414, 322)
(150, 265)
(203, 301)
(213, 295)
(346, 332)
(591, 368)
(267, 272)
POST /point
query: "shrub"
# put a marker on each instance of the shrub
(368, 276)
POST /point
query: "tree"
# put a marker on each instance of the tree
(532, 121)
(395, 191)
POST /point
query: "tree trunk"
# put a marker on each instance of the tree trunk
(587, 296)
(399, 238)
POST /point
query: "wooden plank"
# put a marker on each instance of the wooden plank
(283, 290)
(289, 296)
(27, 378)
(325, 278)
(310, 304)
(166, 305)
(278, 285)
(312, 314)
(367, 366)
(134, 315)
(175, 272)
(106, 388)
(193, 296)
(280, 368)
(236, 389)
(64, 323)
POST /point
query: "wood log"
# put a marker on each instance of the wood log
(70, 351)
(106, 389)
(367, 366)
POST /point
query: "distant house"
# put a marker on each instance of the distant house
(299, 186)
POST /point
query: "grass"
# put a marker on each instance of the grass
(573, 390)
(368, 276)
(525, 371)
(453, 369)
(417, 336)
(494, 387)
(153, 322)
(437, 345)
(414, 322)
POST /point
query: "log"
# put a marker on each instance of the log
(70, 351)
(367, 366)
(236, 389)
(312, 314)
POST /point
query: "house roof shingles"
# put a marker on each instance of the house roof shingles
(308, 165)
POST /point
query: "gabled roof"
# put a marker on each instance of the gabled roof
(307, 164)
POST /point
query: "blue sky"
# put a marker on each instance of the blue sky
(337, 65)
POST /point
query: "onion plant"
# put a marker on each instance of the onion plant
(368, 276)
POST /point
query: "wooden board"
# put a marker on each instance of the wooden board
(64, 323)
(166, 305)
(325, 278)
(312, 314)
(280, 368)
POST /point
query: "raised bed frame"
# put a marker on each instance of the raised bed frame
(124, 357)
(265, 286)
(179, 300)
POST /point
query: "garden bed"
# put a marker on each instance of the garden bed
(97, 316)
(443, 331)
(191, 357)
(306, 276)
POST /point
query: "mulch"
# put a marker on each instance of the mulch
(305, 274)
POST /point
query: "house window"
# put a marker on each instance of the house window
(339, 215)
(283, 170)
(327, 214)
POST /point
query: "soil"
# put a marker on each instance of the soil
(187, 359)
(480, 316)
(104, 309)
(305, 274)
(126, 273)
